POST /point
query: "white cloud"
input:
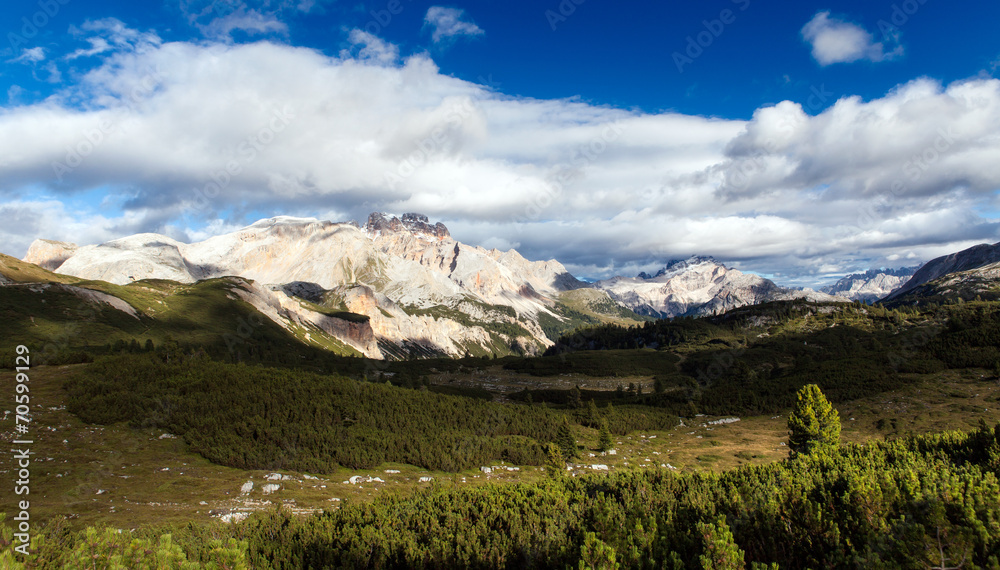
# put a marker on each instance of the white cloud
(215, 131)
(370, 48)
(247, 21)
(447, 23)
(838, 41)
(97, 45)
(218, 19)
(32, 55)
(107, 34)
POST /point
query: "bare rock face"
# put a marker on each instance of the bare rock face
(49, 254)
(415, 285)
(870, 286)
(698, 286)
(412, 223)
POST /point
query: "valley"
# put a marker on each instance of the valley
(126, 477)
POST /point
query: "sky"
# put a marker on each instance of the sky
(796, 140)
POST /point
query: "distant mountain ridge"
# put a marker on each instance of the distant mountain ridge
(871, 285)
(400, 285)
(697, 286)
(967, 259)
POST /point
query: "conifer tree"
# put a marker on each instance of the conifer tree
(555, 463)
(604, 442)
(814, 424)
(721, 551)
(592, 413)
(566, 441)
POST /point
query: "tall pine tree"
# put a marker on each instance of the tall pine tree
(814, 424)
(566, 441)
(604, 442)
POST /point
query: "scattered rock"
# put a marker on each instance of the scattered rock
(246, 488)
(269, 488)
(723, 421)
(599, 467)
(426, 479)
(233, 517)
(168, 436)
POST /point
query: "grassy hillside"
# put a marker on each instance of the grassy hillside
(67, 324)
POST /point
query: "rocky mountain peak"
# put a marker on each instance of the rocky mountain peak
(409, 222)
(679, 266)
(49, 254)
(871, 285)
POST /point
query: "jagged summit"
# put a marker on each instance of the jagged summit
(409, 222)
(679, 265)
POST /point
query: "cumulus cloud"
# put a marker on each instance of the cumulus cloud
(447, 23)
(838, 41)
(192, 139)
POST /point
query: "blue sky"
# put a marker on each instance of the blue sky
(797, 140)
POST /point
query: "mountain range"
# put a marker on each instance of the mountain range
(871, 285)
(400, 286)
